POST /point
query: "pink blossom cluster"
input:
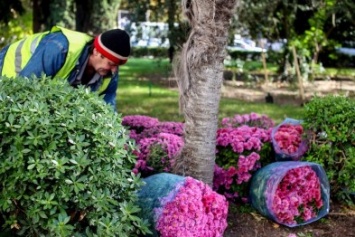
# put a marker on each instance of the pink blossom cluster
(169, 144)
(289, 137)
(252, 120)
(141, 126)
(243, 138)
(176, 128)
(194, 210)
(237, 158)
(298, 196)
(139, 122)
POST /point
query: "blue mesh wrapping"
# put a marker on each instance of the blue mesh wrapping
(282, 156)
(158, 189)
(266, 180)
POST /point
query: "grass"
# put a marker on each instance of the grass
(138, 95)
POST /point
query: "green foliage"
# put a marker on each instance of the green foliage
(104, 15)
(59, 13)
(156, 153)
(156, 52)
(17, 27)
(66, 163)
(244, 55)
(331, 123)
(9, 9)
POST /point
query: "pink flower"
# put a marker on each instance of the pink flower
(158, 153)
(252, 120)
(195, 210)
(298, 196)
(238, 147)
(288, 138)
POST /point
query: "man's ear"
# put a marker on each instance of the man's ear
(95, 52)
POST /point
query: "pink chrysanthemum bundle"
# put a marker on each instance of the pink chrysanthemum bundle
(291, 193)
(183, 207)
(298, 197)
(289, 137)
(288, 140)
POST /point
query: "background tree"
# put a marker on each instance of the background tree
(310, 26)
(15, 20)
(200, 76)
(9, 8)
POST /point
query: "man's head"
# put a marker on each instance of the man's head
(111, 49)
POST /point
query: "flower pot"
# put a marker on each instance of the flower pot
(291, 193)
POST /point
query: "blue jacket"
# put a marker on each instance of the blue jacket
(49, 57)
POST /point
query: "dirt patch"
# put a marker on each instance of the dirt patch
(338, 223)
(284, 93)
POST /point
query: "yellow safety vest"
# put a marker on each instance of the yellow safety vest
(20, 52)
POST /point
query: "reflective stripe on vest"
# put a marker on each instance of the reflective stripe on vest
(77, 41)
(19, 53)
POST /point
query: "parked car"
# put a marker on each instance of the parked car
(346, 51)
(241, 45)
(151, 42)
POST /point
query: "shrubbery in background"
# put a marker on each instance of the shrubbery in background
(331, 123)
(66, 163)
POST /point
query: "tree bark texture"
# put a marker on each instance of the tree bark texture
(200, 75)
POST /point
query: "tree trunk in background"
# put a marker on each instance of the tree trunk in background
(40, 9)
(88, 16)
(84, 9)
(103, 16)
(200, 77)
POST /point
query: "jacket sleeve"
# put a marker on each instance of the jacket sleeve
(111, 91)
(48, 57)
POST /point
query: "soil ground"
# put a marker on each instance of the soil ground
(284, 93)
(340, 220)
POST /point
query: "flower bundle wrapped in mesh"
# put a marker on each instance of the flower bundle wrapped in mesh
(288, 141)
(182, 207)
(292, 193)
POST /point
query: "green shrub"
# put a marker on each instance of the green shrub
(156, 52)
(331, 123)
(66, 163)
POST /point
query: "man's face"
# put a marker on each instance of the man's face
(102, 65)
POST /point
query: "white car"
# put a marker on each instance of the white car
(240, 45)
(346, 51)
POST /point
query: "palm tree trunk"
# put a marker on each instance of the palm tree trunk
(200, 77)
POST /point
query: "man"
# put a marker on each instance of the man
(65, 54)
